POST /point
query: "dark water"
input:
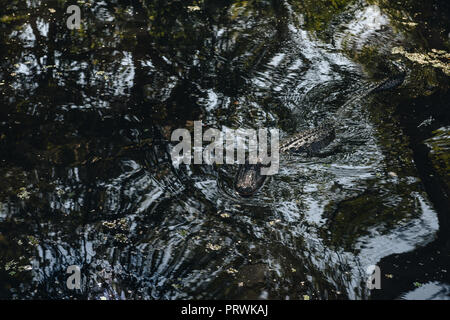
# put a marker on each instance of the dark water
(86, 177)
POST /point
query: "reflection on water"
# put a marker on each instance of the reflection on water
(86, 172)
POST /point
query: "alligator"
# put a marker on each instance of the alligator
(249, 179)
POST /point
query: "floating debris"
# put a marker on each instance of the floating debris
(121, 237)
(274, 221)
(393, 174)
(10, 265)
(225, 215)
(119, 223)
(109, 225)
(433, 58)
(193, 8)
(410, 24)
(33, 241)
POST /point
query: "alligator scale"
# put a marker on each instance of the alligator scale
(249, 179)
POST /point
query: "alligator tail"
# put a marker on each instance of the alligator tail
(249, 179)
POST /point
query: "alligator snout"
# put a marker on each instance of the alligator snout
(249, 179)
